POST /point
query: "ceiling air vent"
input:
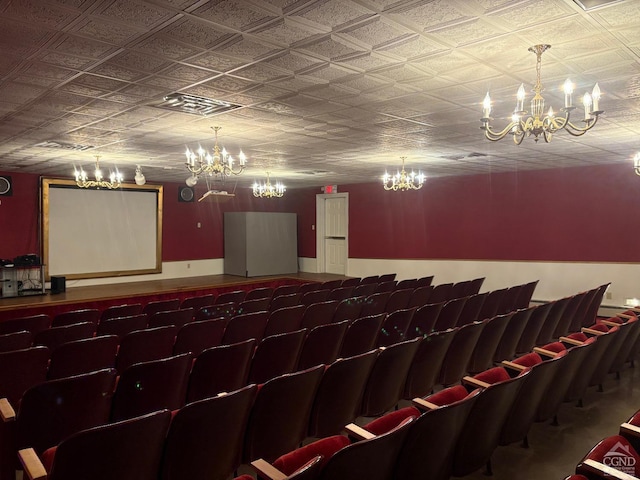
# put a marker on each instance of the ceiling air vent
(195, 105)
(64, 145)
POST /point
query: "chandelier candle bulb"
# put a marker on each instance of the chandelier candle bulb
(595, 95)
(568, 91)
(586, 101)
(486, 105)
(520, 98)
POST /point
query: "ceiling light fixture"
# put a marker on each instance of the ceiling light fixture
(540, 124)
(266, 190)
(220, 163)
(139, 178)
(82, 179)
(403, 180)
(636, 163)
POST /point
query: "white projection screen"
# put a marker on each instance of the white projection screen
(90, 233)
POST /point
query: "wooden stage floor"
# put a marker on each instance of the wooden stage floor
(129, 290)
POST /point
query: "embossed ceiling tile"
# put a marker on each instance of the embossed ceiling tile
(143, 91)
(445, 63)
(216, 61)
(624, 14)
(630, 35)
(230, 83)
(413, 47)
(20, 93)
(9, 62)
(533, 13)
(21, 39)
(267, 91)
(433, 14)
(260, 72)
(499, 50)
(187, 73)
(468, 32)
(46, 72)
(208, 91)
(331, 92)
(368, 62)
(135, 12)
(363, 83)
(139, 61)
(332, 48)
(400, 73)
(285, 32)
(102, 83)
(196, 33)
(101, 108)
(82, 90)
(393, 91)
(297, 83)
(293, 61)
(333, 13)
(74, 45)
(328, 73)
(110, 32)
(234, 14)
(166, 48)
(36, 81)
(559, 31)
(115, 71)
(38, 12)
(375, 33)
(169, 84)
(123, 98)
(245, 48)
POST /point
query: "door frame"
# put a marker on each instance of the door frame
(320, 222)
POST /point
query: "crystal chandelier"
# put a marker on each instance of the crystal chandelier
(403, 180)
(266, 190)
(540, 124)
(220, 163)
(82, 179)
(636, 163)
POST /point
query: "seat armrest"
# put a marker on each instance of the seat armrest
(32, 465)
(546, 353)
(591, 331)
(606, 470)
(571, 341)
(423, 404)
(267, 471)
(619, 315)
(475, 382)
(513, 366)
(630, 429)
(7, 413)
(357, 432)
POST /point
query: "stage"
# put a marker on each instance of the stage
(102, 296)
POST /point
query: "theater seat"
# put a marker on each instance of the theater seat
(127, 450)
(610, 457)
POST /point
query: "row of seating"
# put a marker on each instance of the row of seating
(392, 349)
(494, 407)
(281, 354)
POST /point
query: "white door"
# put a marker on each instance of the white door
(335, 235)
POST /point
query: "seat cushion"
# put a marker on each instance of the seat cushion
(326, 447)
(448, 395)
(388, 422)
(493, 375)
(528, 360)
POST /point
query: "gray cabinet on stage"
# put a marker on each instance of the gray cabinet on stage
(260, 243)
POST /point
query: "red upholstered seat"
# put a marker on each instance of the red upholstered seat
(361, 335)
(388, 422)
(325, 448)
(615, 452)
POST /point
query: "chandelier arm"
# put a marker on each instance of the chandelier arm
(579, 131)
(494, 135)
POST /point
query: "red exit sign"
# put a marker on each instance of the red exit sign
(330, 189)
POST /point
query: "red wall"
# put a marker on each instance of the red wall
(575, 214)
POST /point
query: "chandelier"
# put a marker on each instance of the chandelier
(266, 190)
(403, 180)
(636, 163)
(82, 179)
(220, 163)
(540, 124)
